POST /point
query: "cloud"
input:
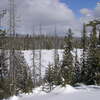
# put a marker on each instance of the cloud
(85, 11)
(90, 14)
(97, 11)
(46, 12)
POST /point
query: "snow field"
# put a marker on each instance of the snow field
(63, 93)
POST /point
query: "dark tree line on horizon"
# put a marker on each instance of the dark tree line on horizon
(25, 42)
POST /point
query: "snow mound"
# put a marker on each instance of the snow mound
(92, 88)
(14, 98)
(38, 91)
(63, 93)
(64, 90)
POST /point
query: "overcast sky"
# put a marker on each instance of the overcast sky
(63, 14)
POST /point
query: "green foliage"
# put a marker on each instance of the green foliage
(28, 86)
(23, 76)
(4, 89)
(91, 59)
(67, 70)
(53, 75)
(2, 33)
(77, 69)
(49, 74)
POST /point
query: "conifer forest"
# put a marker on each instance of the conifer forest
(49, 50)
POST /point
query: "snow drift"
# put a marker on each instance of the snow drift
(63, 93)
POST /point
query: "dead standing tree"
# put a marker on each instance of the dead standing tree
(56, 56)
(2, 52)
(34, 55)
(93, 24)
(12, 51)
(18, 68)
(40, 53)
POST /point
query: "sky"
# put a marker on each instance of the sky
(63, 14)
(76, 5)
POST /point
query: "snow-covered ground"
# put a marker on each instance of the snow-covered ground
(81, 92)
(63, 93)
(47, 57)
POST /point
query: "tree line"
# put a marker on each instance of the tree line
(17, 77)
(73, 71)
(25, 42)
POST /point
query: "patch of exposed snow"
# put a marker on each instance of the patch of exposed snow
(38, 91)
(47, 57)
(14, 98)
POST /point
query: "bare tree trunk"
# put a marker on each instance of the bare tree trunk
(34, 66)
(56, 56)
(12, 51)
(40, 78)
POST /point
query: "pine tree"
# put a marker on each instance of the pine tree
(67, 64)
(4, 89)
(93, 61)
(84, 70)
(23, 76)
(57, 74)
(53, 76)
(23, 80)
(49, 74)
(56, 66)
(77, 68)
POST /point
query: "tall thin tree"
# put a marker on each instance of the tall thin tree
(12, 51)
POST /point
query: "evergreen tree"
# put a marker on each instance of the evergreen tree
(67, 64)
(53, 75)
(93, 60)
(57, 74)
(92, 63)
(4, 89)
(23, 77)
(84, 70)
(49, 74)
(23, 80)
(49, 78)
(57, 65)
(77, 68)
